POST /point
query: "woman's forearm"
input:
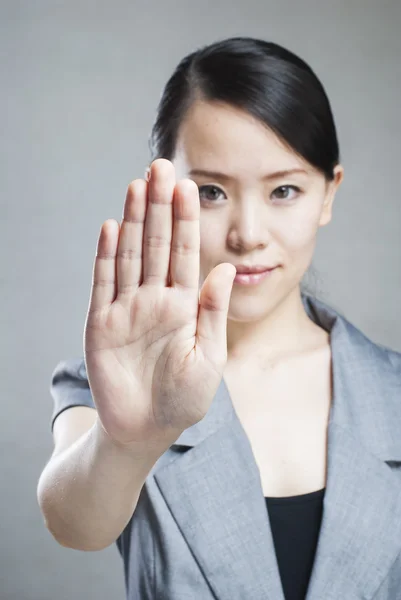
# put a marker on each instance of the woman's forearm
(88, 492)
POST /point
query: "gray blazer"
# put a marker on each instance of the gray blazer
(201, 529)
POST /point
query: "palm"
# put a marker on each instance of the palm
(154, 357)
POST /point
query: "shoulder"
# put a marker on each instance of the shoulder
(370, 369)
(392, 355)
(349, 339)
(382, 354)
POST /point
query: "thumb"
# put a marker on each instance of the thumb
(214, 301)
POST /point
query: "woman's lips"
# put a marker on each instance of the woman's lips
(252, 278)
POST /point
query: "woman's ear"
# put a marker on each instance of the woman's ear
(332, 188)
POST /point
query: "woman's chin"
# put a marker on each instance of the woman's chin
(247, 312)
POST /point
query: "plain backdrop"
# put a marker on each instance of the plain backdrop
(80, 82)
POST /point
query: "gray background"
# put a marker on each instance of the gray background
(80, 82)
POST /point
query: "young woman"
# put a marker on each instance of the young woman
(237, 437)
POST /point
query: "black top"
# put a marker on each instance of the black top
(295, 524)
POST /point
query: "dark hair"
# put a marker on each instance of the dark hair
(265, 80)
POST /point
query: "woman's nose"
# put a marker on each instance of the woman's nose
(248, 229)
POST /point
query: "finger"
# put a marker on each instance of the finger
(158, 223)
(103, 290)
(129, 256)
(214, 302)
(184, 259)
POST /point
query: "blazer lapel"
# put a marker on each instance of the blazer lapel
(214, 493)
(360, 535)
(212, 485)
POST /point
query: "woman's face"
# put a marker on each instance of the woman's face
(248, 212)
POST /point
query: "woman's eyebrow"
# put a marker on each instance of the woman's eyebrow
(224, 177)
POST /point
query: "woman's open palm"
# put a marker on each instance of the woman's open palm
(155, 348)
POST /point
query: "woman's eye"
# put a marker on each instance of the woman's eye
(281, 192)
(209, 192)
(212, 192)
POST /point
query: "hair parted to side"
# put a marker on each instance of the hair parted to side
(263, 79)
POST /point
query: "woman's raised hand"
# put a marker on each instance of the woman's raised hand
(155, 348)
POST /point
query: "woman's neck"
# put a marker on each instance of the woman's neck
(286, 331)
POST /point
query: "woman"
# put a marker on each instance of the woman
(245, 442)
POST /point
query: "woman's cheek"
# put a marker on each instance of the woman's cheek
(299, 231)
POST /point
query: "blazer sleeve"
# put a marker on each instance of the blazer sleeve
(69, 386)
